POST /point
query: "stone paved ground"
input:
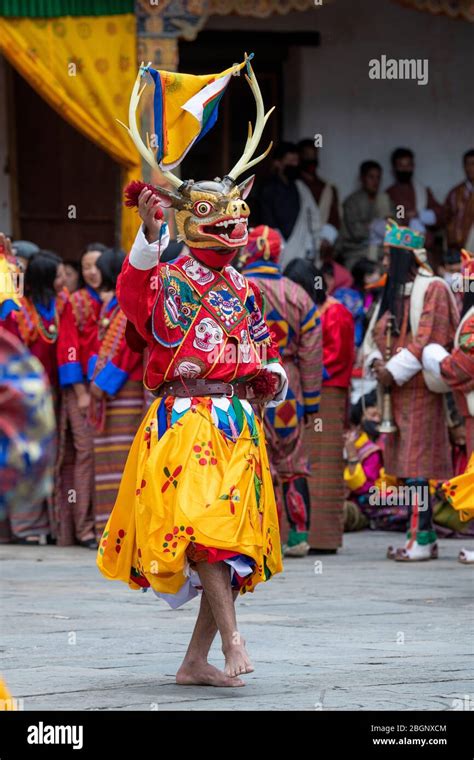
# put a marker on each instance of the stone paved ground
(364, 633)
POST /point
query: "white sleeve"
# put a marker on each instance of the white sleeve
(283, 387)
(432, 356)
(145, 255)
(403, 366)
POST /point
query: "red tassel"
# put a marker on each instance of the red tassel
(133, 190)
(265, 384)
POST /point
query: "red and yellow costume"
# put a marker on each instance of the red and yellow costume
(197, 483)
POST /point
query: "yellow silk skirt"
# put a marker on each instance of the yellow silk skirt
(191, 484)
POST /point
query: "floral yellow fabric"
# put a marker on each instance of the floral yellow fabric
(460, 492)
(84, 67)
(192, 485)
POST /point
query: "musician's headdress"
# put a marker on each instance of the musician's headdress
(407, 252)
(406, 239)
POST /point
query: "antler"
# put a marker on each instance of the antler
(253, 139)
(145, 150)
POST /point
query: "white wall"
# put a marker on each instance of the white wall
(328, 90)
(5, 216)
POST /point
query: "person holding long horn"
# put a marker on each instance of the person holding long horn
(416, 309)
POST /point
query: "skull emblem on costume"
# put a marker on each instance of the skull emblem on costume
(186, 368)
(197, 272)
(208, 335)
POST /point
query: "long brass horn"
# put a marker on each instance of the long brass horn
(387, 423)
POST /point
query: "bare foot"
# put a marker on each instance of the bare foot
(237, 661)
(203, 674)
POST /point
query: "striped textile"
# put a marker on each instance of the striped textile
(420, 448)
(421, 443)
(326, 482)
(123, 415)
(74, 474)
(294, 321)
(295, 324)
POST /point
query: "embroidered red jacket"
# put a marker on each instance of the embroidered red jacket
(51, 335)
(197, 322)
(112, 362)
(86, 305)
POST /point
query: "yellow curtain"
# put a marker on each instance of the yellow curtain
(84, 67)
(260, 8)
(463, 9)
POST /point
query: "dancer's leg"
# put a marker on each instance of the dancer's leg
(215, 580)
(195, 668)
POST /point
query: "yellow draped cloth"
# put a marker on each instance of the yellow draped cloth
(192, 485)
(85, 68)
(460, 492)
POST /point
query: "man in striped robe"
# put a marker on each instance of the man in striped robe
(293, 318)
(417, 308)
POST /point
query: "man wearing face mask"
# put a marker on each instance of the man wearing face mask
(450, 270)
(324, 194)
(415, 204)
(287, 205)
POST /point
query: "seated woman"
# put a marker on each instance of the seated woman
(364, 473)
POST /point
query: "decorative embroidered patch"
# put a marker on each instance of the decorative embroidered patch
(244, 347)
(257, 326)
(189, 366)
(208, 335)
(226, 306)
(180, 303)
(198, 272)
(236, 277)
